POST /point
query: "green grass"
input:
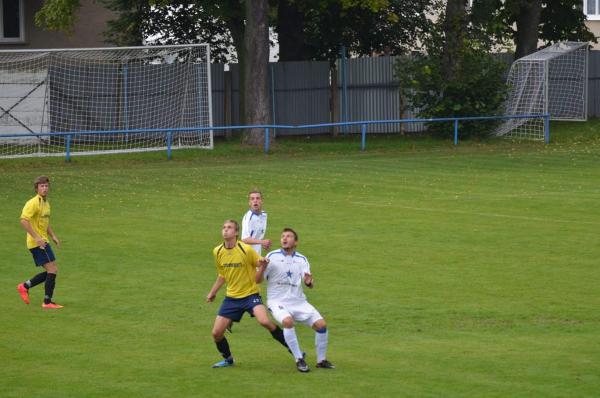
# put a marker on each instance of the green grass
(442, 271)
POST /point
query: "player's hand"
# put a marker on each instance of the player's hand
(55, 240)
(266, 244)
(308, 280)
(41, 243)
(263, 261)
(210, 297)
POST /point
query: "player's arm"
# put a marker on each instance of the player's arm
(260, 269)
(215, 288)
(308, 278)
(38, 239)
(53, 236)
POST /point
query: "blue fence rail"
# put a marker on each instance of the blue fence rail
(267, 128)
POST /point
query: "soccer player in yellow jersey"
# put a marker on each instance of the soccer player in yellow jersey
(35, 219)
(236, 266)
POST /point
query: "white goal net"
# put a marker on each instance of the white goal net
(550, 81)
(89, 101)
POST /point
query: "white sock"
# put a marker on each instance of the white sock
(321, 344)
(292, 341)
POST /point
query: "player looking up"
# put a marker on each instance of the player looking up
(35, 219)
(285, 272)
(254, 223)
(236, 266)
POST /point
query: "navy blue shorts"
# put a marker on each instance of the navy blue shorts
(42, 256)
(234, 308)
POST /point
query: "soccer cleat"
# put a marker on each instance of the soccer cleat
(302, 366)
(325, 364)
(51, 306)
(23, 292)
(224, 363)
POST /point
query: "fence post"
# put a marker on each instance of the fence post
(169, 139)
(266, 140)
(547, 128)
(455, 131)
(68, 148)
(363, 142)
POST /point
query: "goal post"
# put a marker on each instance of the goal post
(552, 81)
(118, 92)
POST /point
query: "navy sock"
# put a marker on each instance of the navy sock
(223, 347)
(278, 335)
(36, 280)
(50, 282)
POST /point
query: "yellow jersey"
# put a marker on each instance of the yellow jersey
(37, 212)
(238, 267)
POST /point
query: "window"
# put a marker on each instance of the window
(12, 21)
(591, 10)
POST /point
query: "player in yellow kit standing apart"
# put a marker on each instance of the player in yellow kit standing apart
(35, 219)
(236, 266)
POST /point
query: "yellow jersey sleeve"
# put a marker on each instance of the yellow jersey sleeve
(30, 209)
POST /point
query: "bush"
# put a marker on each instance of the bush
(476, 89)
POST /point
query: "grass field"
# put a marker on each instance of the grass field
(442, 271)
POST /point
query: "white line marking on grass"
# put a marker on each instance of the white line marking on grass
(471, 213)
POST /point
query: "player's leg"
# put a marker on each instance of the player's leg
(259, 311)
(218, 335)
(23, 288)
(50, 282)
(321, 343)
(283, 315)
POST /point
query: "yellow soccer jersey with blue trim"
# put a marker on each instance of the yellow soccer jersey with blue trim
(238, 267)
(37, 212)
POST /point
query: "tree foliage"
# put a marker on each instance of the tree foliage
(475, 86)
(525, 22)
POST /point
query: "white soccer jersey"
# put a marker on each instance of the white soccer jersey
(254, 225)
(285, 276)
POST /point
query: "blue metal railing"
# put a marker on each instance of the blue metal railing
(268, 127)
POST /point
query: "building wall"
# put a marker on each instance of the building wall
(91, 22)
(594, 26)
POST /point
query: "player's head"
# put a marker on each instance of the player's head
(41, 185)
(289, 239)
(255, 200)
(230, 229)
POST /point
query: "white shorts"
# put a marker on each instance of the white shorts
(302, 312)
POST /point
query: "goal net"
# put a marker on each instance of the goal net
(90, 101)
(550, 81)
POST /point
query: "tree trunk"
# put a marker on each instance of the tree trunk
(256, 69)
(528, 22)
(236, 27)
(290, 32)
(455, 26)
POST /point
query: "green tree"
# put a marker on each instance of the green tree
(526, 22)
(315, 29)
(456, 76)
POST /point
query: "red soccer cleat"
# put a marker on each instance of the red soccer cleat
(51, 306)
(23, 292)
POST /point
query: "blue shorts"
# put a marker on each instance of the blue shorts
(234, 308)
(42, 256)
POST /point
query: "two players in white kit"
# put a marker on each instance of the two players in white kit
(285, 272)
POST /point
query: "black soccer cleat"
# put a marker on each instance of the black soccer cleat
(325, 364)
(302, 366)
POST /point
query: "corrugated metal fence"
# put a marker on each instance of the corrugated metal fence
(303, 93)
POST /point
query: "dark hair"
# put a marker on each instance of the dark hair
(40, 180)
(255, 190)
(292, 231)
